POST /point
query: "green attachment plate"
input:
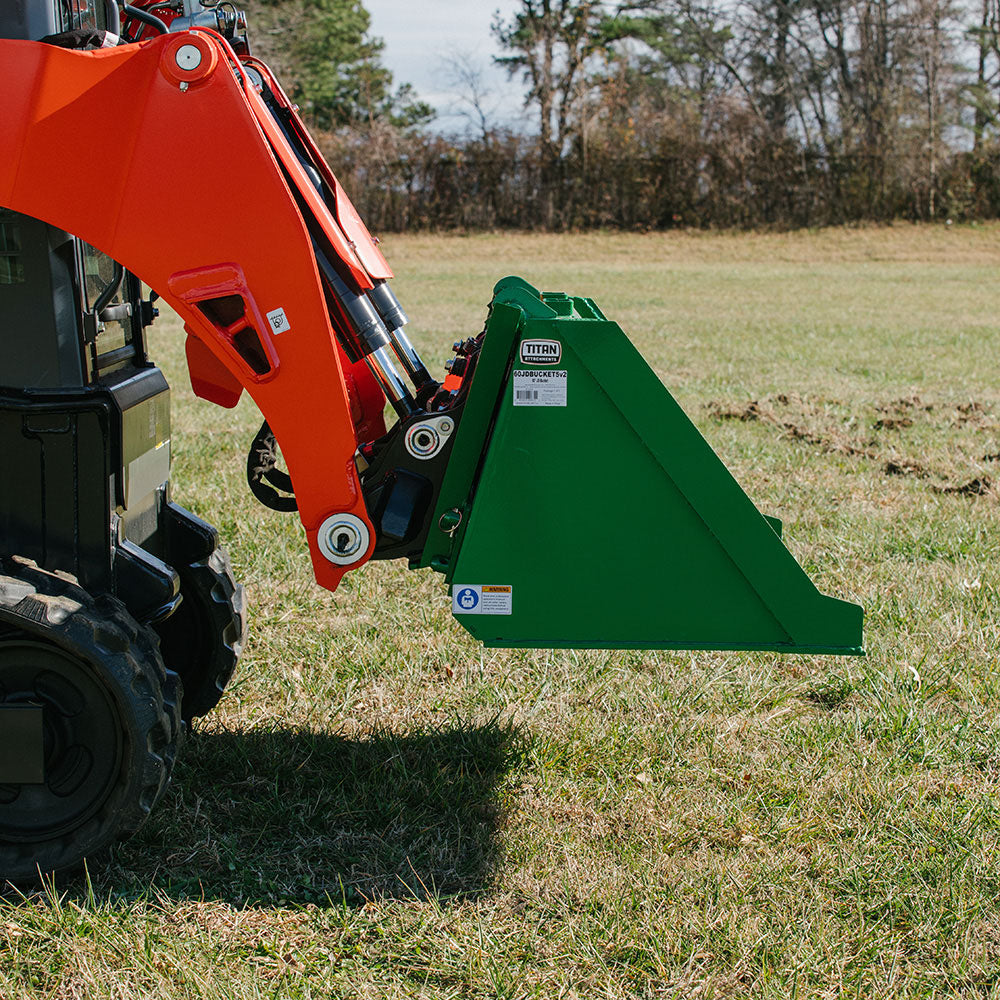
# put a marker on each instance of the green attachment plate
(592, 513)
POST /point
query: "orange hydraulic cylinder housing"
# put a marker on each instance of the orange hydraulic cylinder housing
(163, 155)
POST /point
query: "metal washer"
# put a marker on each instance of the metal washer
(350, 525)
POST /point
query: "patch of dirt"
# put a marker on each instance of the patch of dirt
(752, 411)
(892, 423)
(898, 413)
(830, 440)
(813, 423)
(978, 487)
(787, 399)
(833, 442)
(904, 404)
(904, 467)
(971, 413)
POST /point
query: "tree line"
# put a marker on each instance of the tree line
(663, 113)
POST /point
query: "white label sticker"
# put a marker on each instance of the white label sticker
(279, 321)
(540, 352)
(539, 388)
(481, 599)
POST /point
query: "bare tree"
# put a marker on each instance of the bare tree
(474, 99)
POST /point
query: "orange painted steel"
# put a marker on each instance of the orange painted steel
(347, 216)
(171, 172)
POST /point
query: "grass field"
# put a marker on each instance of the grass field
(380, 808)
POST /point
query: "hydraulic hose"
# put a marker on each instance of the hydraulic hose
(141, 15)
(113, 17)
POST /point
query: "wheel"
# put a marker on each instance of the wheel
(110, 720)
(203, 639)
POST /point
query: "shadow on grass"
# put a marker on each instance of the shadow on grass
(297, 816)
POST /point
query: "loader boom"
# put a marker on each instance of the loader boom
(248, 289)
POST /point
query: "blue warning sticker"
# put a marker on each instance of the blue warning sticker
(481, 599)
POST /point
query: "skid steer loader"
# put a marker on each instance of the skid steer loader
(120, 619)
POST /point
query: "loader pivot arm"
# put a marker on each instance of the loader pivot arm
(254, 245)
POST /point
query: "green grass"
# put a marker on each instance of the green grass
(380, 808)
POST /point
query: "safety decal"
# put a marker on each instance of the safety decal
(533, 387)
(279, 321)
(541, 352)
(481, 599)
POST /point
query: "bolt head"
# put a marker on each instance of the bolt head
(188, 57)
(343, 539)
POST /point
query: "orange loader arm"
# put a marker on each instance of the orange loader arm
(202, 195)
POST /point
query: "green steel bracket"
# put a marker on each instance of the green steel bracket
(582, 508)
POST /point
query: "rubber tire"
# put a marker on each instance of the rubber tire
(203, 639)
(119, 658)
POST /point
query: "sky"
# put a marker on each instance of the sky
(421, 37)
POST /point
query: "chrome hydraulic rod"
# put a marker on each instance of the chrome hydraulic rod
(381, 366)
(391, 313)
(408, 358)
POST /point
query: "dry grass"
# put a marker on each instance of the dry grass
(382, 809)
